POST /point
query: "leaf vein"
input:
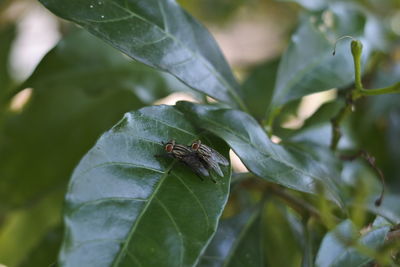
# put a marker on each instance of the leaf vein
(206, 63)
(176, 227)
(119, 163)
(135, 225)
(169, 125)
(101, 200)
(196, 198)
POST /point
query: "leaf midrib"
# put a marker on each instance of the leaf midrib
(138, 220)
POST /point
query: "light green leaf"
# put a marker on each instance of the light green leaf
(294, 168)
(159, 34)
(308, 65)
(127, 207)
(334, 251)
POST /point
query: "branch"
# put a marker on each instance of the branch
(371, 161)
(356, 93)
(298, 204)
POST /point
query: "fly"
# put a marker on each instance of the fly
(189, 157)
(210, 157)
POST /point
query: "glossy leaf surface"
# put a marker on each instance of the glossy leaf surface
(334, 252)
(295, 168)
(159, 34)
(237, 242)
(80, 89)
(128, 207)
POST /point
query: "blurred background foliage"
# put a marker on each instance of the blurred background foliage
(61, 88)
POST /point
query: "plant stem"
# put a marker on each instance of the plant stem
(371, 161)
(393, 89)
(356, 93)
(336, 133)
(356, 50)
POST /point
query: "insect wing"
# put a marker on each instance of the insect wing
(215, 166)
(193, 162)
(219, 158)
(207, 151)
(180, 152)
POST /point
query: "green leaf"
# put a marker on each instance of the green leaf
(280, 236)
(308, 253)
(309, 4)
(24, 229)
(378, 119)
(7, 35)
(159, 34)
(334, 251)
(293, 168)
(127, 207)
(80, 89)
(259, 87)
(316, 129)
(389, 208)
(45, 253)
(237, 242)
(308, 65)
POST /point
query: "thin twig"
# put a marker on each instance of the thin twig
(371, 161)
(298, 204)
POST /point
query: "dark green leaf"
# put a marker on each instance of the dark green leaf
(80, 89)
(259, 87)
(24, 229)
(237, 242)
(335, 252)
(279, 236)
(308, 254)
(127, 207)
(292, 168)
(45, 253)
(7, 35)
(159, 34)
